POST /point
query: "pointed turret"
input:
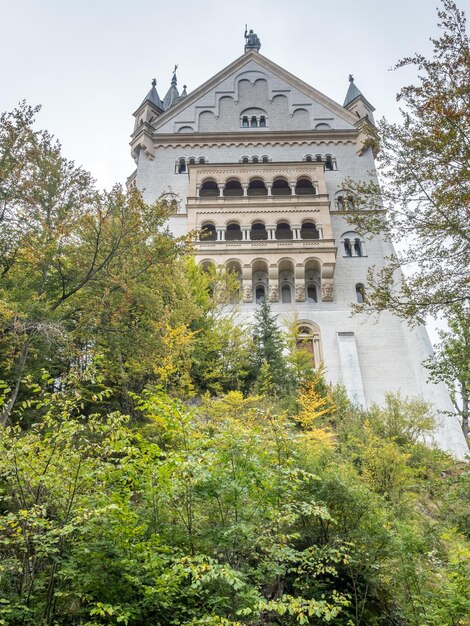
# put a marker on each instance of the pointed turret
(172, 94)
(153, 96)
(357, 103)
(150, 109)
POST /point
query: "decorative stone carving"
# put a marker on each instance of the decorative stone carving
(327, 292)
(300, 293)
(274, 293)
(248, 293)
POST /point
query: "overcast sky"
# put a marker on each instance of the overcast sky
(89, 63)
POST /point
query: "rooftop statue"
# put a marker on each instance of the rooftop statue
(252, 41)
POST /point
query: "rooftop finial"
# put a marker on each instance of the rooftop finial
(154, 82)
(351, 78)
(252, 41)
(173, 80)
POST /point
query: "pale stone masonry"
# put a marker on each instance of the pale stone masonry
(256, 159)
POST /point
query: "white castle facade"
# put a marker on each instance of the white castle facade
(257, 158)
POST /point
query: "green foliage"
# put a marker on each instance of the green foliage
(226, 513)
(451, 364)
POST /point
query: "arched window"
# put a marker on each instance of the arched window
(286, 294)
(344, 201)
(318, 158)
(330, 163)
(233, 232)
(208, 232)
(353, 244)
(308, 158)
(181, 166)
(192, 161)
(283, 231)
(360, 293)
(304, 187)
(233, 188)
(258, 232)
(309, 230)
(308, 340)
(245, 159)
(245, 123)
(264, 159)
(262, 121)
(260, 294)
(312, 294)
(257, 187)
(281, 187)
(202, 160)
(209, 188)
(255, 159)
(254, 122)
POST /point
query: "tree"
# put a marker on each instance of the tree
(269, 363)
(424, 164)
(72, 260)
(451, 363)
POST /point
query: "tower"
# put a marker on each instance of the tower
(257, 158)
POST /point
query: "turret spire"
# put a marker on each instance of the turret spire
(353, 91)
(153, 96)
(172, 93)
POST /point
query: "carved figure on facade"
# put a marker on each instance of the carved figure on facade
(248, 293)
(300, 293)
(327, 292)
(274, 293)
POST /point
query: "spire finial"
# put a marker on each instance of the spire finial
(154, 82)
(351, 78)
(173, 80)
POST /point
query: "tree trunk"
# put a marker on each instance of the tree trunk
(19, 369)
(465, 411)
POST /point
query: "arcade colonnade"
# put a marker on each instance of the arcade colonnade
(281, 280)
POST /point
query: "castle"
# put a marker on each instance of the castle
(257, 158)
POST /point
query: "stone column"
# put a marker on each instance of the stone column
(292, 187)
(220, 233)
(221, 188)
(296, 230)
(198, 233)
(299, 276)
(269, 187)
(245, 188)
(271, 230)
(245, 232)
(320, 231)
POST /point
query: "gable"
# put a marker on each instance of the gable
(253, 94)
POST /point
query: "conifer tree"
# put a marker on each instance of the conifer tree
(269, 363)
